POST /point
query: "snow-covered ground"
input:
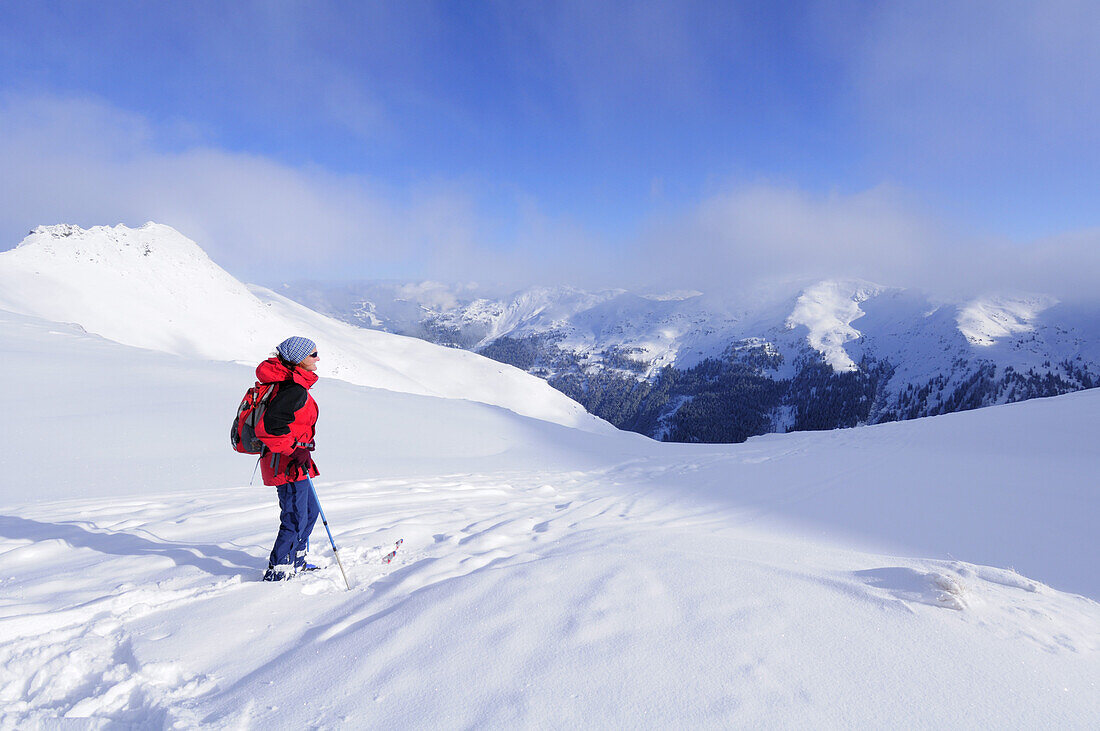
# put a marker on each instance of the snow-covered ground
(932, 573)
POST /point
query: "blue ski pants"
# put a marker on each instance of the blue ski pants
(298, 511)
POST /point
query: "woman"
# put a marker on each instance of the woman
(287, 430)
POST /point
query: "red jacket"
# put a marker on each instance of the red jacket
(289, 421)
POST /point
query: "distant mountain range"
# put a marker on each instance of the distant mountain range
(688, 366)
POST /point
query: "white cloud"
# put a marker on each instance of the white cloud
(766, 232)
(83, 162)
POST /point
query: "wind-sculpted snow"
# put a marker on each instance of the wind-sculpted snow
(153, 288)
(919, 574)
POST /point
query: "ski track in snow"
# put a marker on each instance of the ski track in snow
(188, 636)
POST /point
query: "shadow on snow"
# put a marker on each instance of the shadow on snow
(214, 560)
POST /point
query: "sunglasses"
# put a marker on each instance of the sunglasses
(312, 355)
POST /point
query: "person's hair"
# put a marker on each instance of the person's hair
(283, 360)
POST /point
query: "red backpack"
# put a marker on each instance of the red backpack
(242, 434)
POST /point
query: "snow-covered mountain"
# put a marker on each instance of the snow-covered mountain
(808, 355)
(933, 573)
(153, 288)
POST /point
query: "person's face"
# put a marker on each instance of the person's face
(310, 361)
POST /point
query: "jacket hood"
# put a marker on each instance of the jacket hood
(273, 371)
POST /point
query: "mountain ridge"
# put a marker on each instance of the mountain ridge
(822, 354)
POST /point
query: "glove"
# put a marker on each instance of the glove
(297, 466)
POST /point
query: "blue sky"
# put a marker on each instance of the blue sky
(574, 142)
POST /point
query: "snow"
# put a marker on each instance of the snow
(983, 321)
(78, 379)
(179, 301)
(827, 311)
(932, 573)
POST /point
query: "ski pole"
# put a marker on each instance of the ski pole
(335, 550)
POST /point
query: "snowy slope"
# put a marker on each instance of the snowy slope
(98, 418)
(153, 288)
(549, 577)
(827, 311)
(985, 321)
